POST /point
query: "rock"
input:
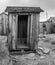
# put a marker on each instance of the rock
(46, 50)
(39, 51)
(31, 54)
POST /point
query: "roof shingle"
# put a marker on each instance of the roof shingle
(24, 9)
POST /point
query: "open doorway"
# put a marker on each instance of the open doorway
(22, 26)
(22, 29)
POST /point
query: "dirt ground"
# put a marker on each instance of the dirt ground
(35, 59)
(45, 42)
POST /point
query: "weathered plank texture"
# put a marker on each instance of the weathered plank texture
(37, 26)
(31, 39)
(28, 30)
(34, 30)
(14, 31)
(10, 33)
(10, 22)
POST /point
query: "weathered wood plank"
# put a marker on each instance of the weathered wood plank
(37, 27)
(10, 33)
(4, 23)
(31, 39)
(28, 29)
(34, 30)
(10, 22)
(14, 31)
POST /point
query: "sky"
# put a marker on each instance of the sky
(47, 5)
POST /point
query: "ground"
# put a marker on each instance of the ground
(46, 44)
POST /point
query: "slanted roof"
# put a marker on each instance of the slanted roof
(24, 9)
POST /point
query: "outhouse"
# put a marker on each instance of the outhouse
(23, 27)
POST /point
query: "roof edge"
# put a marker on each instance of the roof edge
(23, 8)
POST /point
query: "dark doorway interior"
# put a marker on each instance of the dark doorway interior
(22, 30)
(22, 26)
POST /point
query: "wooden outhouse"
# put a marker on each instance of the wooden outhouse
(23, 27)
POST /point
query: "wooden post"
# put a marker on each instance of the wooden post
(34, 30)
(28, 30)
(14, 31)
(37, 30)
(37, 27)
(31, 39)
(10, 32)
(4, 24)
(10, 22)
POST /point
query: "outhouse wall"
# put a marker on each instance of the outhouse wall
(33, 29)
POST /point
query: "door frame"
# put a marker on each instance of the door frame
(28, 27)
